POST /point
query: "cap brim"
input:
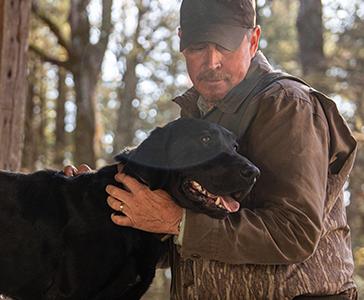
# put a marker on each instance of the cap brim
(227, 36)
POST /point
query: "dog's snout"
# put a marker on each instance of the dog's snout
(250, 173)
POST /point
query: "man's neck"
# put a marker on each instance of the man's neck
(204, 105)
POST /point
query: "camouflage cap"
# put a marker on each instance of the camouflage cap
(223, 22)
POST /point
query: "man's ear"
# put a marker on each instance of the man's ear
(254, 40)
(179, 32)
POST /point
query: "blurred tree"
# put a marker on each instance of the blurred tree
(83, 60)
(310, 36)
(14, 25)
(34, 142)
(311, 44)
(60, 135)
(279, 36)
(124, 133)
(149, 66)
(29, 155)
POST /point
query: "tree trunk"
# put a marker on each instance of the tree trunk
(310, 36)
(85, 60)
(42, 143)
(14, 26)
(125, 122)
(28, 155)
(126, 118)
(60, 115)
(85, 86)
(35, 146)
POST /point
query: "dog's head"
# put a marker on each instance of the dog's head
(197, 163)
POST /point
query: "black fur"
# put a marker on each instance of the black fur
(56, 237)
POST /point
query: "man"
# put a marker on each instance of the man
(290, 240)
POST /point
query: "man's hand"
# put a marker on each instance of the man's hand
(71, 170)
(152, 211)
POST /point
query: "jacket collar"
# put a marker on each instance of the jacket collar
(230, 103)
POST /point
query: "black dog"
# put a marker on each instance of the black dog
(56, 237)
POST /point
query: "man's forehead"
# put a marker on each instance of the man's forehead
(216, 37)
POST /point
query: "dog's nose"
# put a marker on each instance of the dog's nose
(250, 173)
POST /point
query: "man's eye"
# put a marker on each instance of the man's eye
(221, 49)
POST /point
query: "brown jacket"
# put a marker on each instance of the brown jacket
(291, 237)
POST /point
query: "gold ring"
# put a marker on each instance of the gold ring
(121, 207)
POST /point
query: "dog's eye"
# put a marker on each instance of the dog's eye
(236, 147)
(205, 139)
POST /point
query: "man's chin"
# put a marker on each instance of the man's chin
(214, 91)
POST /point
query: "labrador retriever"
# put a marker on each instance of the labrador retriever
(56, 237)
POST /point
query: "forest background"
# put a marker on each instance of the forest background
(101, 75)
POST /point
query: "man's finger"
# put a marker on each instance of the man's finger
(121, 220)
(118, 193)
(70, 170)
(131, 183)
(84, 169)
(115, 204)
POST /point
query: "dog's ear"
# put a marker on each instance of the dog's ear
(152, 152)
(149, 161)
(154, 178)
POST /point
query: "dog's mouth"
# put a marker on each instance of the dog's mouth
(199, 193)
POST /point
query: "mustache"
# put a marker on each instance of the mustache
(213, 75)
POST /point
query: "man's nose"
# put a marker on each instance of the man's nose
(213, 57)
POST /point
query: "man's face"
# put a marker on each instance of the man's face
(215, 70)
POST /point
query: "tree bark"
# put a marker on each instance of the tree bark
(14, 26)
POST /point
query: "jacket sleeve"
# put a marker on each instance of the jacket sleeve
(282, 222)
